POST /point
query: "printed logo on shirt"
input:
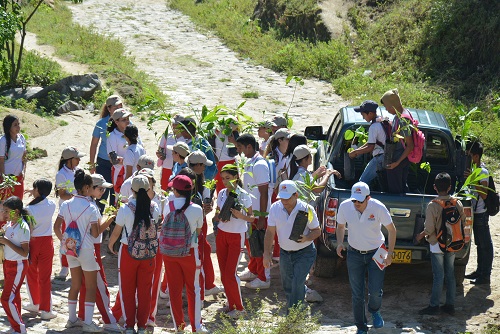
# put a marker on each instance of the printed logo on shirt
(372, 217)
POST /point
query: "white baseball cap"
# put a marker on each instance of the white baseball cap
(287, 189)
(359, 191)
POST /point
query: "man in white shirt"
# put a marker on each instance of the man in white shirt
(256, 182)
(296, 257)
(375, 143)
(365, 216)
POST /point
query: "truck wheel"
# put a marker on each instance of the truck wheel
(325, 266)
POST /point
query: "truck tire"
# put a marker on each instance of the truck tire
(325, 266)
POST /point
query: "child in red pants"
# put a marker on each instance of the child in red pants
(15, 265)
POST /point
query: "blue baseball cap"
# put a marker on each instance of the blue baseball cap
(367, 106)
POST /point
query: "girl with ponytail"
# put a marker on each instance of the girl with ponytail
(41, 250)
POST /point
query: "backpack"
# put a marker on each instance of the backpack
(418, 140)
(175, 235)
(387, 127)
(142, 241)
(451, 235)
(492, 200)
(271, 165)
(281, 176)
(71, 241)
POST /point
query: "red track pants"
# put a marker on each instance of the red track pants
(165, 175)
(155, 292)
(135, 277)
(39, 272)
(184, 271)
(207, 274)
(256, 264)
(102, 299)
(14, 273)
(229, 248)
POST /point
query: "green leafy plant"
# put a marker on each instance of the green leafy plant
(7, 185)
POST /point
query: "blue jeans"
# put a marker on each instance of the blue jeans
(370, 172)
(358, 265)
(294, 267)
(482, 238)
(443, 266)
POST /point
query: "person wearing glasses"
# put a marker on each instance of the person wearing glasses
(365, 216)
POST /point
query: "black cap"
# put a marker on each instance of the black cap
(367, 106)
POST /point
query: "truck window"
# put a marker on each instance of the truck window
(334, 131)
(437, 149)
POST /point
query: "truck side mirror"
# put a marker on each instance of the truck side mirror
(314, 133)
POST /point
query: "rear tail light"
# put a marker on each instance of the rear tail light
(468, 223)
(330, 215)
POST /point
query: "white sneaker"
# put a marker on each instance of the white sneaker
(236, 314)
(77, 323)
(202, 329)
(63, 273)
(214, 291)
(31, 308)
(163, 295)
(150, 323)
(312, 296)
(92, 328)
(258, 284)
(247, 275)
(113, 328)
(48, 315)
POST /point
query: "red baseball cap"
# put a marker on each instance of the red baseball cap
(181, 182)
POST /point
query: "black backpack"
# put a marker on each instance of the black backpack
(492, 200)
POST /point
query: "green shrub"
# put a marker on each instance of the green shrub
(37, 70)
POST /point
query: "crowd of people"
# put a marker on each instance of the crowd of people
(263, 199)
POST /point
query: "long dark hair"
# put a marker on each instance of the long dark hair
(142, 208)
(15, 203)
(294, 165)
(112, 125)
(295, 140)
(81, 180)
(7, 124)
(44, 188)
(189, 173)
(187, 195)
(62, 162)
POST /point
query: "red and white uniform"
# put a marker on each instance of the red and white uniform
(185, 271)
(102, 299)
(117, 143)
(41, 253)
(256, 174)
(207, 274)
(223, 158)
(13, 162)
(230, 242)
(167, 164)
(14, 270)
(135, 277)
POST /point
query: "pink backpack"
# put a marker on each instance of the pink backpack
(418, 140)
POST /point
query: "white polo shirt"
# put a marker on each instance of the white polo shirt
(132, 155)
(13, 164)
(97, 240)
(194, 215)
(65, 179)
(125, 218)
(376, 133)
(279, 217)
(81, 210)
(364, 229)
(42, 212)
(18, 234)
(259, 175)
(234, 225)
(116, 142)
(221, 148)
(170, 141)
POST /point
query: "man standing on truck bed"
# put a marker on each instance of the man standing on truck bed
(481, 229)
(375, 143)
(397, 171)
(365, 216)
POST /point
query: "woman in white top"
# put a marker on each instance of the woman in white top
(117, 145)
(185, 271)
(134, 151)
(16, 240)
(12, 155)
(41, 250)
(65, 189)
(80, 210)
(135, 276)
(230, 239)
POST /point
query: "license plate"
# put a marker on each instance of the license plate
(401, 256)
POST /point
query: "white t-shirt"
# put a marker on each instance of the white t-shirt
(13, 164)
(364, 229)
(263, 145)
(221, 147)
(376, 133)
(65, 179)
(278, 217)
(234, 225)
(259, 175)
(97, 240)
(478, 204)
(116, 142)
(194, 215)
(18, 234)
(81, 210)
(125, 218)
(170, 141)
(43, 212)
(132, 156)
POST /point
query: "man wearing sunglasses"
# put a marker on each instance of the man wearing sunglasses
(365, 217)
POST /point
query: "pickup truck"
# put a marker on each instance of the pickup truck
(441, 151)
